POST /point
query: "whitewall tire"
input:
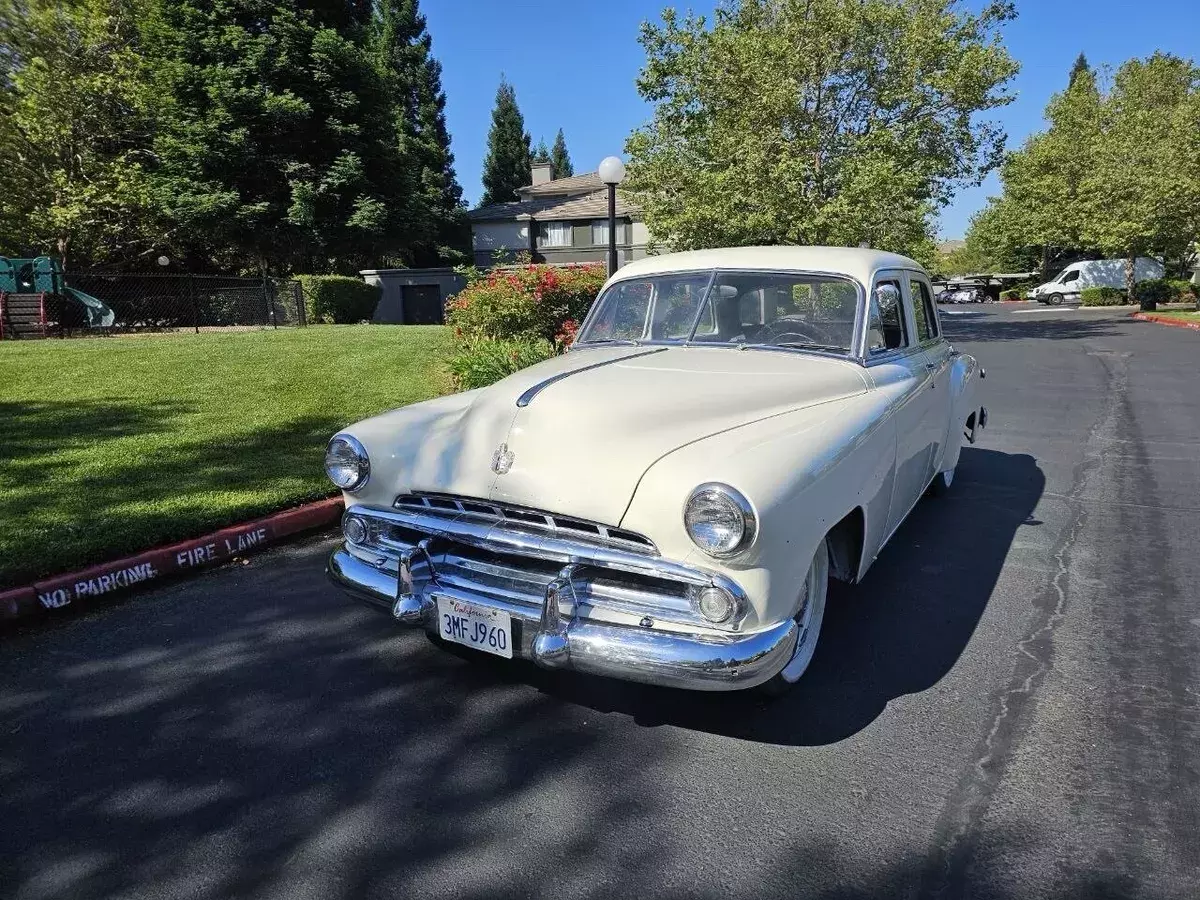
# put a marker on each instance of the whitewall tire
(809, 615)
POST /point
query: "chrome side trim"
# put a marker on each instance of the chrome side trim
(532, 392)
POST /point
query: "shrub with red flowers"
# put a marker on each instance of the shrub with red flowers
(510, 318)
(527, 303)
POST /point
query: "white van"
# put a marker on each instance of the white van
(1067, 284)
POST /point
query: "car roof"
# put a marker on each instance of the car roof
(857, 262)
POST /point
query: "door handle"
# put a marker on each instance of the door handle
(932, 367)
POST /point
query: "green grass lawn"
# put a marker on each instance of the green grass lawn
(108, 446)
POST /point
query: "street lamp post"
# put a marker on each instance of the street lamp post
(612, 173)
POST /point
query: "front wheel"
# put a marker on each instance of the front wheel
(808, 621)
(1055, 299)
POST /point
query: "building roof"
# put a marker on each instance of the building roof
(574, 184)
(592, 205)
(858, 263)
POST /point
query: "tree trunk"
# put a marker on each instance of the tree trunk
(1131, 284)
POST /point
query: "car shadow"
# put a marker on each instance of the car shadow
(898, 632)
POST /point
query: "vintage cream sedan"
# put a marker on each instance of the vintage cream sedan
(666, 502)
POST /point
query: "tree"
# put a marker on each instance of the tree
(402, 47)
(277, 145)
(560, 158)
(1080, 67)
(1044, 180)
(1140, 196)
(816, 121)
(74, 131)
(541, 153)
(506, 166)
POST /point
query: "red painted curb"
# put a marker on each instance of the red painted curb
(60, 591)
(1163, 320)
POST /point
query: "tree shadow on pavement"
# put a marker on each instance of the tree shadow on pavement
(991, 327)
(896, 633)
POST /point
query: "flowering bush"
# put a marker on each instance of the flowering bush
(508, 319)
(527, 303)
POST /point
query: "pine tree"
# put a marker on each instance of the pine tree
(561, 158)
(1081, 66)
(506, 166)
(402, 47)
(541, 153)
(276, 146)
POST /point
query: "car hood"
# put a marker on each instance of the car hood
(596, 420)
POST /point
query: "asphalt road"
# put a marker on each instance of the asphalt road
(1007, 707)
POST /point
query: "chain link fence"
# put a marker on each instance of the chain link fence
(174, 302)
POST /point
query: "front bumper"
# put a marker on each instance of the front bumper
(669, 659)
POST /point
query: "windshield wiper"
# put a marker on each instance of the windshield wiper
(624, 341)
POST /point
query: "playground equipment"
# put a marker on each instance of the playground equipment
(35, 300)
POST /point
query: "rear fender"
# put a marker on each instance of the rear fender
(965, 411)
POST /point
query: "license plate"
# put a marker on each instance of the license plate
(489, 630)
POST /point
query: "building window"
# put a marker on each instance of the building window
(556, 234)
(600, 232)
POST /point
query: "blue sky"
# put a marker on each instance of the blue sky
(573, 65)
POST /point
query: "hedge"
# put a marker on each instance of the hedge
(1102, 296)
(1154, 291)
(338, 299)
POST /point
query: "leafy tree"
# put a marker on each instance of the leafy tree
(816, 121)
(506, 166)
(1044, 180)
(561, 158)
(402, 46)
(74, 131)
(1140, 192)
(541, 153)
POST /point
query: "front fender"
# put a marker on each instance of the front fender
(802, 471)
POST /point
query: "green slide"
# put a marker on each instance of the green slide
(99, 315)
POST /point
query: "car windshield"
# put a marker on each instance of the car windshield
(758, 309)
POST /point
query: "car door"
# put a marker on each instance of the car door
(937, 352)
(898, 368)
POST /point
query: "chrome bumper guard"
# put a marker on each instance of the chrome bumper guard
(400, 576)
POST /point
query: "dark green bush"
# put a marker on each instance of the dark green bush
(1153, 292)
(1102, 296)
(486, 361)
(338, 299)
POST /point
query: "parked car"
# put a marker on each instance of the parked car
(1068, 283)
(666, 502)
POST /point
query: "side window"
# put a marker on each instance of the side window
(923, 310)
(885, 327)
(1073, 275)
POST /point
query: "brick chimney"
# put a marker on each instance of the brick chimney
(541, 173)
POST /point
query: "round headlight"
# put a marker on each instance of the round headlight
(346, 463)
(719, 520)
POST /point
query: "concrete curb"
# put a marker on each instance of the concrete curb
(1163, 320)
(120, 575)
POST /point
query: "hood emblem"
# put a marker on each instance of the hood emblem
(502, 459)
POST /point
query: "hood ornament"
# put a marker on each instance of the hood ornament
(502, 459)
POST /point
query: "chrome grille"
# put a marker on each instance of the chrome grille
(522, 518)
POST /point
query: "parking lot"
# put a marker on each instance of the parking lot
(1006, 707)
